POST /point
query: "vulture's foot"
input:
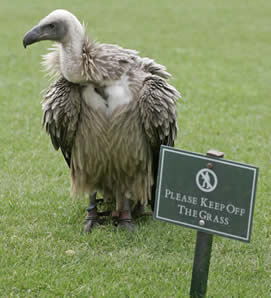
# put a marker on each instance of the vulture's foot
(92, 221)
(127, 225)
(125, 221)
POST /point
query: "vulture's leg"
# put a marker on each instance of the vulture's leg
(125, 216)
(92, 218)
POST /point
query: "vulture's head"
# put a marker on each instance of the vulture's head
(60, 25)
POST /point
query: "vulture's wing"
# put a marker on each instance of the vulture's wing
(157, 102)
(61, 108)
(158, 111)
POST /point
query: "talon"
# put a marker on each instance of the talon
(125, 221)
(91, 221)
(90, 224)
(127, 225)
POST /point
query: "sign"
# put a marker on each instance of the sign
(206, 193)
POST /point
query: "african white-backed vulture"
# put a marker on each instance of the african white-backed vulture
(108, 110)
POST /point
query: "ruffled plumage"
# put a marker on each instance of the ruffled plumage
(117, 152)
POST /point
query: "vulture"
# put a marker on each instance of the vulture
(109, 111)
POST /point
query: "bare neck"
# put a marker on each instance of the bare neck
(71, 55)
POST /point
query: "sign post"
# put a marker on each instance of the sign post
(209, 194)
(202, 256)
(201, 264)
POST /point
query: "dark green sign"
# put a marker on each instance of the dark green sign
(205, 193)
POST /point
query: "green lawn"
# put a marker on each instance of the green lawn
(219, 55)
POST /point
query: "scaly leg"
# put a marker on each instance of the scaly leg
(125, 216)
(92, 218)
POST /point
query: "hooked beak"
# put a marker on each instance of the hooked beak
(32, 36)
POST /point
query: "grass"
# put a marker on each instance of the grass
(219, 54)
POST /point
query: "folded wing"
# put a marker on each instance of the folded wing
(158, 110)
(61, 109)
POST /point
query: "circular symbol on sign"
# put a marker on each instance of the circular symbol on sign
(206, 180)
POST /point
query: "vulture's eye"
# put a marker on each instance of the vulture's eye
(52, 26)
